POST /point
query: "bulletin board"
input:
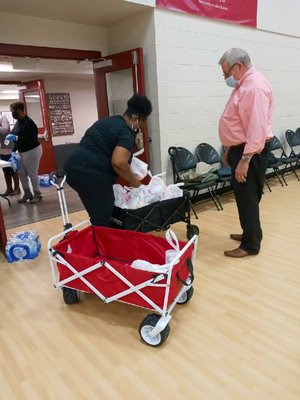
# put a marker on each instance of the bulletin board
(60, 114)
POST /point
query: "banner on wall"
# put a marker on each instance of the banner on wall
(241, 12)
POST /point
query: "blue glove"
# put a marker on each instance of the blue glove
(11, 137)
(14, 161)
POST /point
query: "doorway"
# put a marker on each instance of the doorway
(117, 78)
(124, 71)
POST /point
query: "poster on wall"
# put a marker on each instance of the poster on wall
(243, 12)
(60, 114)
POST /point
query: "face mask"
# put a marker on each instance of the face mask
(231, 82)
(134, 130)
(15, 114)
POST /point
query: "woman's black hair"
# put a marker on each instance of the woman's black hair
(17, 105)
(139, 105)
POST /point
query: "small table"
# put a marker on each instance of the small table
(4, 164)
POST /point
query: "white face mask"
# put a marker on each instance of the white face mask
(231, 82)
(134, 129)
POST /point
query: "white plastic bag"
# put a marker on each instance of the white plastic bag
(147, 266)
(137, 197)
(169, 254)
(139, 168)
(172, 191)
(121, 196)
(173, 242)
(157, 188)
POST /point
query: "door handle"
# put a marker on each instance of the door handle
(44, 136)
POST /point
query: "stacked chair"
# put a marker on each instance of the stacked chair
(209, 155)
(293, 139)
(184, 164)
(280, 164)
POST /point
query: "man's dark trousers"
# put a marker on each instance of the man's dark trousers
(248, 195)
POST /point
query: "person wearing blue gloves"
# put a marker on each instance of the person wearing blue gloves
(5, 153)
(25, 137)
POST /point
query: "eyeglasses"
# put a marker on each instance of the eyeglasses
(226, 74)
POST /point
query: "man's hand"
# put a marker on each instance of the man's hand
(241, 171)
(11, 137)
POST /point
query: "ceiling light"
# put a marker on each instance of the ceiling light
(9, 91)
(5, 67)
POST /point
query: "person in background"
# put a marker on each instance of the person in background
(103, 154)
(245, 128)
(10, 176)
(25, 137)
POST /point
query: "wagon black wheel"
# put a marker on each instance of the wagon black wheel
(146, 327)
(191, 231)
(186, 296)
(71, 296)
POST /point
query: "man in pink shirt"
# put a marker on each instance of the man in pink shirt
(245, 129)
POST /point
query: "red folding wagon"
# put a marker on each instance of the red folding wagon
(100, 260)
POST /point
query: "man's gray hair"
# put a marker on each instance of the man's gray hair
(235, 55)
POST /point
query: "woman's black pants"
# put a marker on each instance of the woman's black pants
(97, 197)
(248, 195)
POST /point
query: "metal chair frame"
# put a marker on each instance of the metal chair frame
(182, 161)
(209, 155)
(282, 160)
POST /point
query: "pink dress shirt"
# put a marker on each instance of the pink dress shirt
(247, 117)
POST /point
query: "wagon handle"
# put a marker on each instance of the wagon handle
(191, 276)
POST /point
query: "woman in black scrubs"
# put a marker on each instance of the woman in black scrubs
(102, 155)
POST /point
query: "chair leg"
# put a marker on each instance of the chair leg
(279, 176)
(215, 199)
(294, 171)
(268, 185)
(195, 192)
(282, 177)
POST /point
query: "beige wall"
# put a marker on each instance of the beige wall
(24, 30)
(281, 16)
(191, 88)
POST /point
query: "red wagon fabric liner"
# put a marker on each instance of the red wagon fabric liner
(120, 248)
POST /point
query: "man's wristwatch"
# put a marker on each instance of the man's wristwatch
(246, 158)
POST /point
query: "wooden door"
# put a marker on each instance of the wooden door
(32, 94)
